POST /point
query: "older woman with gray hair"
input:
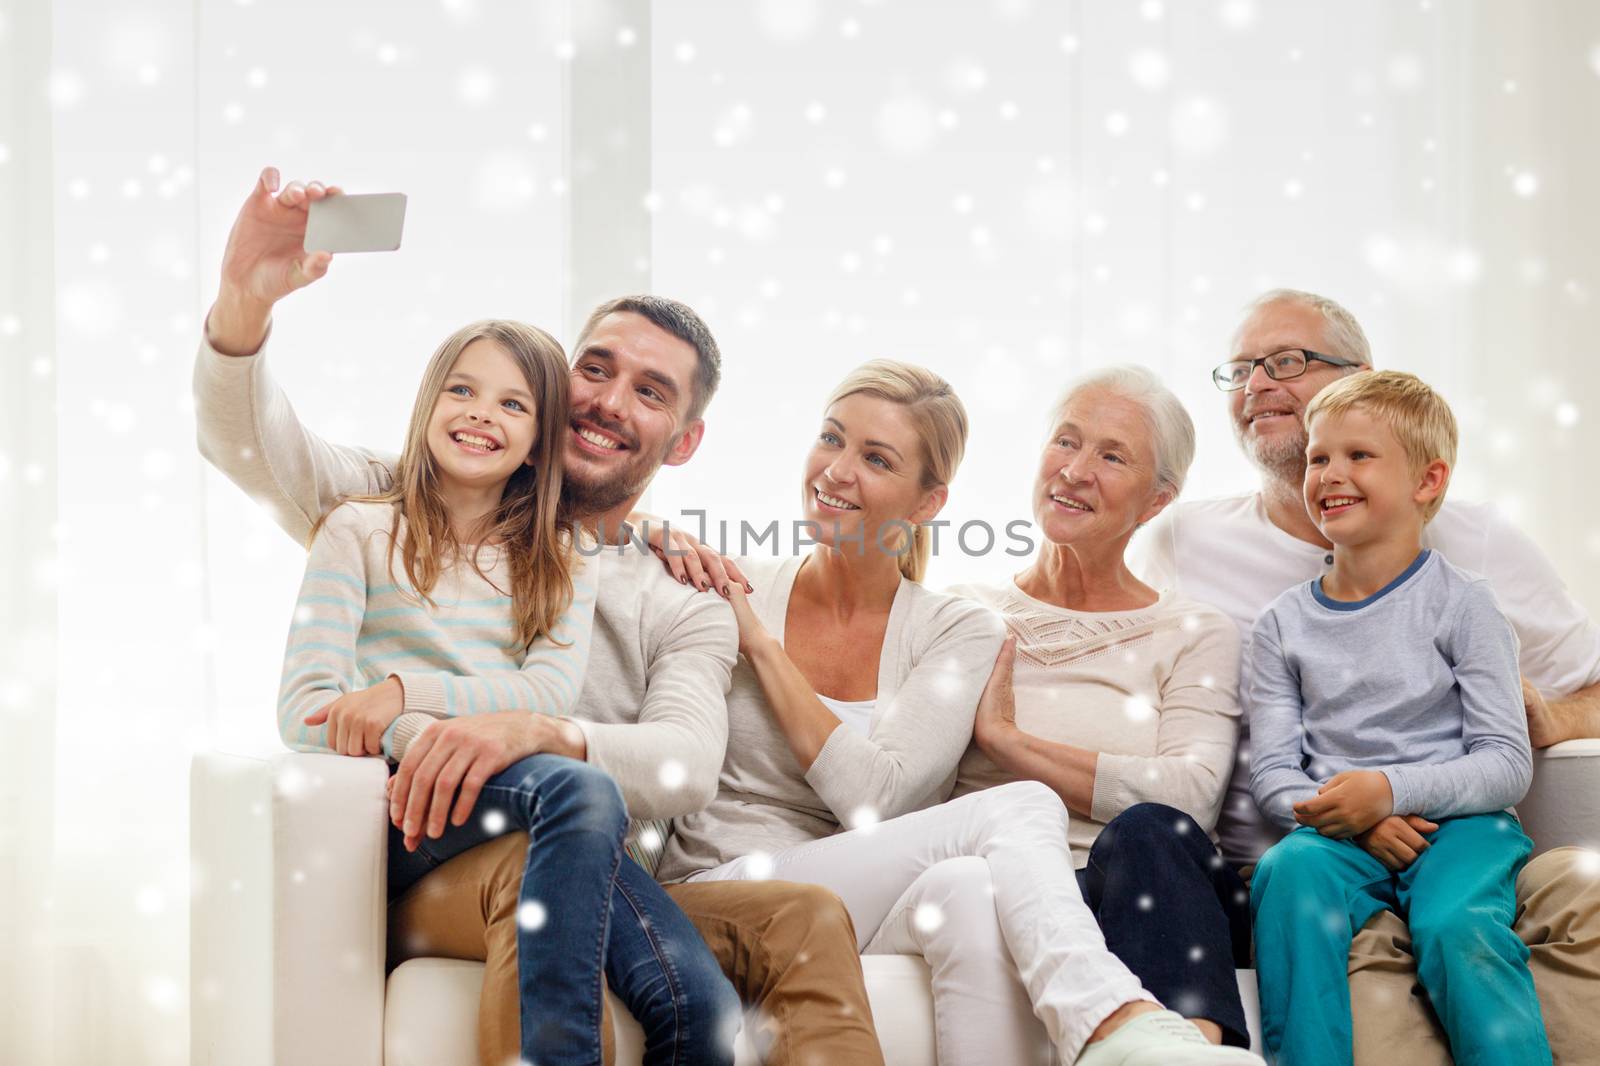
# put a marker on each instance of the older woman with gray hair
(1123, 700)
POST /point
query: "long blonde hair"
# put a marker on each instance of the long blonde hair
(941, 423)
(528, 523)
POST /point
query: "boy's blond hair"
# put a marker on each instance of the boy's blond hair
(1419, 417)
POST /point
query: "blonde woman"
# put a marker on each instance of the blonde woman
(849, 713)
(460, 592)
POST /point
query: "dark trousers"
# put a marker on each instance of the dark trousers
(1173, 912)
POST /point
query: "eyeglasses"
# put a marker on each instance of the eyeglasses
(1280, 366)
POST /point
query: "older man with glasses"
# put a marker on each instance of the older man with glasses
(1240, 552)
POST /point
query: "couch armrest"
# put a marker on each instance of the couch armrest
(287, 919)
(1563, 805)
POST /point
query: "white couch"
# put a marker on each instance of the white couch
(287, 923)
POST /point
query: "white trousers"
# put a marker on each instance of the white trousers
(982, 888)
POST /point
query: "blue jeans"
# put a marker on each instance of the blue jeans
(1173, 912)
(586, 911)
(1310, 894)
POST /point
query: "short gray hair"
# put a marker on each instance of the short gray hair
(1171, 428)
(1344, 334)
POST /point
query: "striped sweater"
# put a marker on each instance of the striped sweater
(356, 624)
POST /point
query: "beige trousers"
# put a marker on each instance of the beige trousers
(788, 949)
(1558, 917)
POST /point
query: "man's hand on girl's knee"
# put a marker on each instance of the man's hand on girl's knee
(448, 764)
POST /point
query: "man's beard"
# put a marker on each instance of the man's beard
(1282, 459)
(583, 499)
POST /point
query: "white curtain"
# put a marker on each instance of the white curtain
(1008, 192)
(128, 138)
(29, 562)
(1017, 191)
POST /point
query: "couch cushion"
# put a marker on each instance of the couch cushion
(1563, 805)
(430, 1015)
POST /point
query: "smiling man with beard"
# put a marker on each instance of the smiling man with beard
(652, 710)
(1239, 553)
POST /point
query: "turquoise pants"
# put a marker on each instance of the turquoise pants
(1310, 894)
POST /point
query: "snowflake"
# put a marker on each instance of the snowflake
(1405, 72)
(672, 774)
(504, 182)
(1149, 69)
(163, 994)
(150, 900)
(1239, 14)
(475, 87)
(864, 818)
(787, 20)
(1199, 125)
(906, 124)
(531, 915)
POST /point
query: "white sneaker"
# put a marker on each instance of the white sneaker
(1162, 1038)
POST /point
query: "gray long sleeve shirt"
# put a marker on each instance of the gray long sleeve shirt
(1419, 681)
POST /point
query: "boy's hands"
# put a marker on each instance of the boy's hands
(1397, 840)
(1349, 803)
(357, 720)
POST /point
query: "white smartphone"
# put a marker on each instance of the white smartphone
(370, 222)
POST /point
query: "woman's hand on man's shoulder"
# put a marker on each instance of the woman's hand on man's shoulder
(688, 560)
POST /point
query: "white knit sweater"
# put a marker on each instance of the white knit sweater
(1154, 691)
(937, 654)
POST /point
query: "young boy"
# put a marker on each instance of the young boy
(1386, 711)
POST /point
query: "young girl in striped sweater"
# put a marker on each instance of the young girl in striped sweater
(458, 590)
